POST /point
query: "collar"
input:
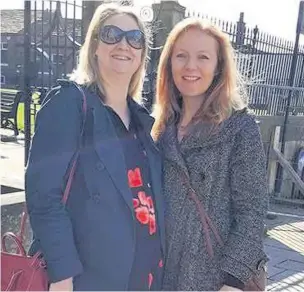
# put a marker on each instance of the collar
(139, 111)
(141, 114)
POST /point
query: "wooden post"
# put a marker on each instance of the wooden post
(272, 166)
(290, 171)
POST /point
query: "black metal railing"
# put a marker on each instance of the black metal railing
(261, 57)
(52, 36)
(56, 35)
(271, 100)
(55, 32)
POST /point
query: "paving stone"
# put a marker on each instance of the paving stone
(288, 277)
(293, 265)
(283, 286)
(272, 271)
(299, 225)
(276, 243)
(277, 255)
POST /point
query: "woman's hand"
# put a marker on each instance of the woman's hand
(228, 288)
(64, 285)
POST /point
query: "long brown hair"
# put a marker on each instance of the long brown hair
(223, 96)
(87, 69)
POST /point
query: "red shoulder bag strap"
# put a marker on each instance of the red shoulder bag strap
(72, 169)
(205, 219)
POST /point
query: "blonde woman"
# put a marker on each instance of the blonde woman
(214, 165)
(110, 234)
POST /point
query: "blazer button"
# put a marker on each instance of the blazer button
(99, 166)
(96, 197)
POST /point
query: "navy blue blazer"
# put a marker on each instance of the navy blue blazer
(92, 238)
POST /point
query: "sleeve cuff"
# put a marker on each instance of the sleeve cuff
(63, 270)
(234, 282)
(236, 269)
(244, 256)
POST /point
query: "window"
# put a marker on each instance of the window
(2, 79)
(4, 56)
(57, 59)
(4, 46)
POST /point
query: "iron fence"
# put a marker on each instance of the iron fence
(272, 100)
(52, 36)
(261, 57)
(56, 35)
(53, 33)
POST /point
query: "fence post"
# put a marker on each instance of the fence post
(240, 33)
(253, 50)
(301, 79)
(26, 81)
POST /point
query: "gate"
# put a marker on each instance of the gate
(53, 33)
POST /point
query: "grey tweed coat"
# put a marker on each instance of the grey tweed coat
(227, 171)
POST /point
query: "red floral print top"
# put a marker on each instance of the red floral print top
(146, 272)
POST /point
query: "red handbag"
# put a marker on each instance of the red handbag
(19, 271)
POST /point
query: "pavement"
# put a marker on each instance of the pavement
(12, 160)
(284, 245)
(284, 241)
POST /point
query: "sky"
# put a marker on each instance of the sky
(277, 17)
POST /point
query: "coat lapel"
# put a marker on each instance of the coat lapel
(110, 151)
(170, 146)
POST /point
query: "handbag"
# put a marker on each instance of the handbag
(19, 271)
(258, 281)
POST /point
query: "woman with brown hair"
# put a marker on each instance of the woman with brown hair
(214, 166)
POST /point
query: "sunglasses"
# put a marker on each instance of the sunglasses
(111, 34)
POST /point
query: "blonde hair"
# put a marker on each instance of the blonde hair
(87, 69)
(223, 96)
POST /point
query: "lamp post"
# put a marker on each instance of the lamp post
(299, 31)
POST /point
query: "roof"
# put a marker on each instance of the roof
(12, 21)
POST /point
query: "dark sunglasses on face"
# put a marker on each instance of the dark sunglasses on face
(111, 34)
